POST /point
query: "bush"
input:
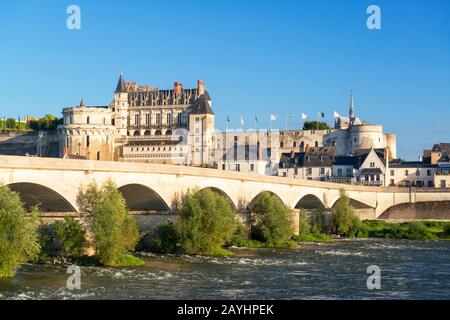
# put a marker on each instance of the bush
(447, 229)
(166, 239)
(272, 219)
(303, 224)
(71, 236)
(318, 221)
(240, 236)
(18, 233)
(345, 220)
(115, 232)
(207, 222)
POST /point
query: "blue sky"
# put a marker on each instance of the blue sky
(256, 57)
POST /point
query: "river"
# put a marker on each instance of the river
(409, 270)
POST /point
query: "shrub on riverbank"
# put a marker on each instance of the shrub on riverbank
(272, 220)
(207, 222)
(71, 236)
(345, 220)
(416, 230)
(18, 233)
(115, 233)
(166, 239)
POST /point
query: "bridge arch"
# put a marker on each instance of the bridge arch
(221, 188)
(140, 197)
(47, 199)
(309, 201)
(254, 197)
(223, 193)
(355, 203)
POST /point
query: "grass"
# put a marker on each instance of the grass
(313, 237)
(127, 260)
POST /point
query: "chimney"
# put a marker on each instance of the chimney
(200, 87)
(178, 88)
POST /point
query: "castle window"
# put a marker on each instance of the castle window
(136, 120)
(98, 155)
(372, 164)
(168, 132)
(147, 119)
(158, 119)
(158, 133)
(294, 144)
(147, 133)
(316, 144)
(169, 119)
(281, 144)
(179, 119)
(113, 122)
(136, 133)
(88, 120)
(88, 143)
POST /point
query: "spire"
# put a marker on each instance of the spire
(351, 112)
(121, 85)
(82, 105)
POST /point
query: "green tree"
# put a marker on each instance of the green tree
(10, 123)
(166, 238)
(18, 233)
(272, 219)
(71, 236)
(115, 232)
(315, 125)
(207, 222)
(345, 220)
(303, 222)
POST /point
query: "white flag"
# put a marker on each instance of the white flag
(242, 122)
(273, 117)
(304, 116)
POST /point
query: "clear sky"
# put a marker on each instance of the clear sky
(255, 56)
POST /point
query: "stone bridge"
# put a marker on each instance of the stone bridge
(55, 183)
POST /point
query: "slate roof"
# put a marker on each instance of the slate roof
(410, 164)
(314, 157)
(202, 106)
(121, 85)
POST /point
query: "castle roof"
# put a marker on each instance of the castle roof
(202, 106)
(121, 85)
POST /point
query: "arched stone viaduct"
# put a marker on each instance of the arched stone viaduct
(55, 183)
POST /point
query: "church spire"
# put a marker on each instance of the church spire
(82, 104)
(351, 112)
(121, 85)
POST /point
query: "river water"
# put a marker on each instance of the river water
(409, 270)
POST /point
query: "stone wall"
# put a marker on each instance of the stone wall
(16, 144)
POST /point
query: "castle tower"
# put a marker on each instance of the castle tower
(201, 130)
(120, 107)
